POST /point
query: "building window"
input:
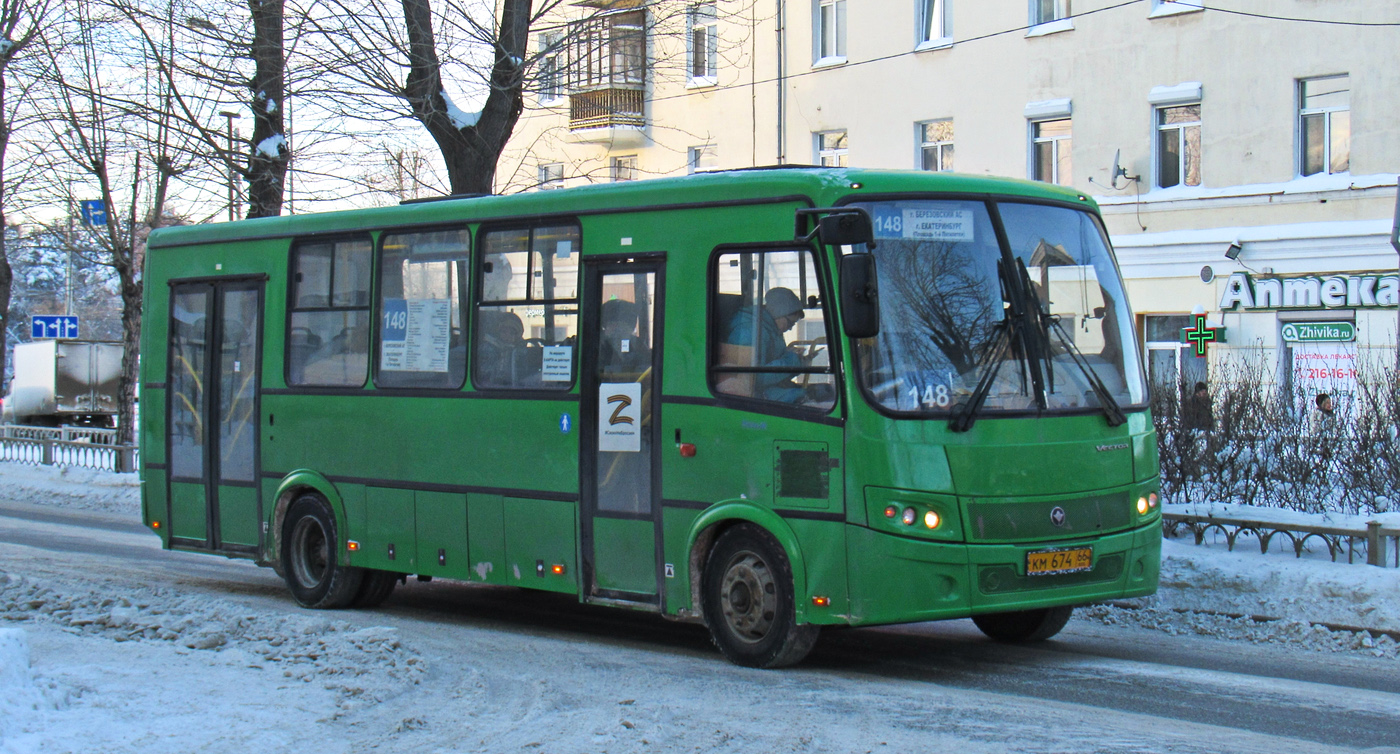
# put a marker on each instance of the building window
(1324, 128)
(830, 26)
(328, 326)
(831, 149)
(1179, 146)
(527, 315)
(1051, 146)
(703, 159)
(936, 145)
(935, 22)
(702, 44)
(623, 168)
(550, 176)
(609, 50)
(421, 341)
(1045, 11)
(769, 335)
(551, 75)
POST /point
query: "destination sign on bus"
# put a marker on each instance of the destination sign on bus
(917, 223)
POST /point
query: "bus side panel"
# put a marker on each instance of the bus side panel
(625, 555)
(486, 537)
(897, 579)
(675, 524)
(540, 534)
(824, 558)
(442, 533)
(238, 515)
(391, 538)
(153, 502)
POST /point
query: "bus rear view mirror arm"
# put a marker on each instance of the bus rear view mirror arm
(838, 226)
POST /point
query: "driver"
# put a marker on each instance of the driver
(781, 311)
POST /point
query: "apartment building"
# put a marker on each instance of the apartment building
(1245, 157)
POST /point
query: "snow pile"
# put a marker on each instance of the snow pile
(1274, 598)
(21, 694)
(71, 487)
(360, 665)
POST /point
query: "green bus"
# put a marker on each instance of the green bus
(768, 400)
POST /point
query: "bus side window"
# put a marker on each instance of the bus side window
(329, 320)
(769, 329)
(526, 328)
(420, 309)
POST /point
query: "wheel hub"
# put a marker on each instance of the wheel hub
(749, 597)
(310, 552)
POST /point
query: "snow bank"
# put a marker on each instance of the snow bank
(1274, 598)
(71, 487)
(360, 665)
(18, 696)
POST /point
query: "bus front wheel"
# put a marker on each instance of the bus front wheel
(747, 599)
(1024, 625)
(309, 548)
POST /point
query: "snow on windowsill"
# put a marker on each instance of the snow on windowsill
(829, 62)
(702, 82)
(1300, 185)
(1051, 27)
(1172, 8)
(942, 43)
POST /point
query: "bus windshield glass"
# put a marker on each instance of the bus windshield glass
(945, 298)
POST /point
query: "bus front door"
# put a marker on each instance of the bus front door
(212, 417)
(619, 466)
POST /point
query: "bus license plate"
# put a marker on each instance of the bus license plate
(1047, 562)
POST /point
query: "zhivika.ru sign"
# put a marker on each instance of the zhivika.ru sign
(1359, 291)
(1319, 332)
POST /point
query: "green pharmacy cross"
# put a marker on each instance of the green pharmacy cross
(1198, 335)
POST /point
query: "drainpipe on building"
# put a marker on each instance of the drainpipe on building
(1395, 243)
(782, 84)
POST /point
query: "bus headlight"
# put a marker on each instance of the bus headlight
(1142, 506)
(909, 517)
(1152, 500)
(931, 520)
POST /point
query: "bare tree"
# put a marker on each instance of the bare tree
(21, 22)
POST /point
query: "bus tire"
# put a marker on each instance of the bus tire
(1024, 625)
(375, 587)
(747, 599)
(310, 544)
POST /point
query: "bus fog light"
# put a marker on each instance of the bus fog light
(931, 520)
(1141, 505)
(1152, 500)
(909, 517)
(891, 511)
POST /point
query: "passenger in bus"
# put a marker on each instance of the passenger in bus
(500, 335)
(781, 311)
(620, 350)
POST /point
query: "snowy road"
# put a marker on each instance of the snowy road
(510, 670)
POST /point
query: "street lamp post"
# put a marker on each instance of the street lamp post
(232, 174)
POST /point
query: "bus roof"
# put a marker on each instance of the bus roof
(822, 186)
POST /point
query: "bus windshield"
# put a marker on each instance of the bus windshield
(944, 306)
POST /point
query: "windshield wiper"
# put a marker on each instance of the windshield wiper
(1051, 322)
(1016, 326)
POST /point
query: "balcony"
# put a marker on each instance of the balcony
(607, 108)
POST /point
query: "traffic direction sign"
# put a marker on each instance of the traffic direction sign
(64, 326)
(94, 212)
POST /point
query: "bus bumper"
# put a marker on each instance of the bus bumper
(903, 580)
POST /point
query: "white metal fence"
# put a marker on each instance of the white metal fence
(86, 447)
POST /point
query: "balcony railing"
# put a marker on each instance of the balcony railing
(606, 108)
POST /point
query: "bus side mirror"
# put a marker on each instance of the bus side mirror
(846, 228)
(860, 296)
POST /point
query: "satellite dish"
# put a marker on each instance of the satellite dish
(1116, 170)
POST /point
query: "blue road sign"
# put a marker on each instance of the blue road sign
(63, 326)
(94, 212)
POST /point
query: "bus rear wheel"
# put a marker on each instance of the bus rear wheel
(1024, 625)
(375, 587)
(309, 548)
(747, 598)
